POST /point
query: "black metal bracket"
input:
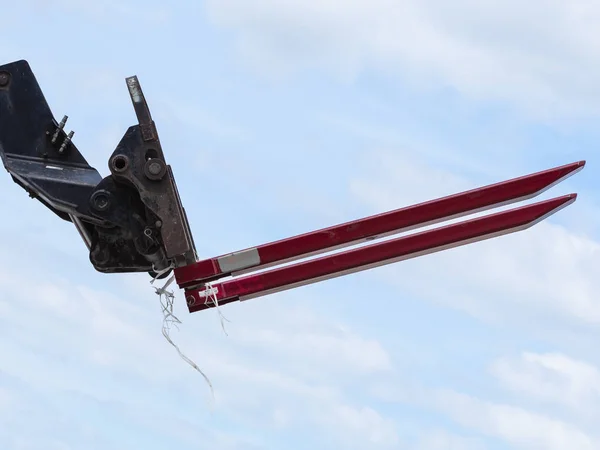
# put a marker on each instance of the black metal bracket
(131, 220)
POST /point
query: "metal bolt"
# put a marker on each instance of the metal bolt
(158, 224)
(190, 300)
(66, 142)
(100, 255)
(100, 200)
(61, 125)
(4, 78)
(154, 168)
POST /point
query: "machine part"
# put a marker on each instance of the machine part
(4, 79)
(112, 214)
(132, 220)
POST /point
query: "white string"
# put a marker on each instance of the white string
(211, 298)
(161, 272)
(169, 319)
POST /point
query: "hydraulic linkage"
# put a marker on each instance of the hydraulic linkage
(133, 221)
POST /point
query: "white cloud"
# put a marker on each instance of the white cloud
(514, 425)
(180, 115)
(365, 423)
(392, 180)
(442, 440)
(7, 400)
(517, 426)
(338, 349)
(106, 10)
(553, 378)
(68, 338)
(541, 56)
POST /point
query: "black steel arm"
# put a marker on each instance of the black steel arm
(132, 220)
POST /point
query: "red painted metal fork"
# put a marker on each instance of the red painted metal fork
(375, 255)
(200, 295)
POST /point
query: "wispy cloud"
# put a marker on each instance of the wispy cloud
(539, 57)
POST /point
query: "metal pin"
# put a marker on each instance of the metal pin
(61, 125)
(66, 142)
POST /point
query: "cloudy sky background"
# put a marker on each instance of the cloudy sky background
(279, 117)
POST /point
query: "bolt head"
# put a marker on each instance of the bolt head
(4, 78)
(101, 201)
(155, 169)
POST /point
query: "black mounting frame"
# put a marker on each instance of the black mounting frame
(132, 220)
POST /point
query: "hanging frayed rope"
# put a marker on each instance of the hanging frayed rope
(169, 319)
(211, 300)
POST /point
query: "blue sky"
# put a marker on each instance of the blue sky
(279, 117)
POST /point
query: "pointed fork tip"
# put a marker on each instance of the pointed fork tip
(577, 165)
(561, 202)
(565, 198)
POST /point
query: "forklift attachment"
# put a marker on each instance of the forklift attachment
(132, 220)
